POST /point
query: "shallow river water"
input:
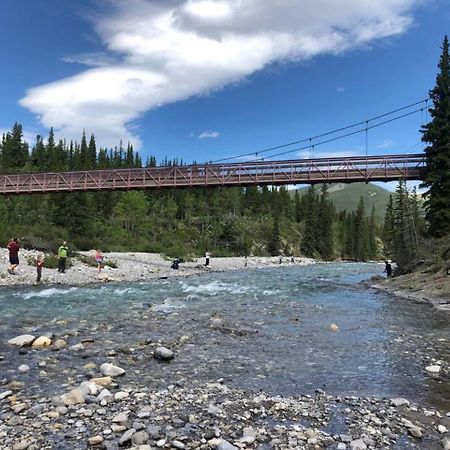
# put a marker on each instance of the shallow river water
(266, 329)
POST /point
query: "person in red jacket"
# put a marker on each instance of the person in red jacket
(13, 247)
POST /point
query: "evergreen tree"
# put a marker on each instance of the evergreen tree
(372, 250)
(274, 242)
(325, 225)
(437, 134)
(361, 233)
(389, 228)
(309, 241)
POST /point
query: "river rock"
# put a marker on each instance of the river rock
(249, 436)
(102, 381)
(442, 429)
(121, 395)
(433, 369)
(5, 394)
(221, 444)
(23, 368)
(120, 418)
(42, 341)
(358, 444)
(446, 444)
(415, 431)
(126, 437)
(22, 445)
(74, 397)
(22, 340)
(140, 438)
(95, 440)
(179, 445)
(164, 354)
(59, 344)
(111, 370)
(399, 401)
(333, 327)
(105, 395)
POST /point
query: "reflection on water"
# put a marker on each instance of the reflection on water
(275, 332)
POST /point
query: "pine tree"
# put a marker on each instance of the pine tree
(361, 232)
(437, 134)
(389, 228)
(325, 225)
(309, 241)
(372, 250)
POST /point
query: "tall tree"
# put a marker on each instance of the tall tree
(437, 134)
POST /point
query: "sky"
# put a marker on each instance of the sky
(202, 80)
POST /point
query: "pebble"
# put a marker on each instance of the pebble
(358, 444)
(42, 341)
(23, 368)
(433, 369)
(22, 340)
(5, 394)
(164, 354)
(442, 429)
(126, 437)
(95, 440)
(178, 444)
(111, 370)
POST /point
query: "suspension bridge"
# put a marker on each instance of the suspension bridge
(303, 171)
(261, 171)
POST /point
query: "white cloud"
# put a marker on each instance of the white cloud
(160, 52)
(387, 143)
(339, 90)
(209, 134)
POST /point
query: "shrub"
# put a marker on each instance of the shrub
(50, 261)
(90, 261)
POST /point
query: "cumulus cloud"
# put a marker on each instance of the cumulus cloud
(339, 90)
(209, 134)
(163, 51)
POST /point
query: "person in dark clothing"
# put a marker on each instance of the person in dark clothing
(207, 256)
(13, 247)
(388, 269)
(175, 264)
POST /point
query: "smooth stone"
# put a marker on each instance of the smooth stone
(59, 344)
(249, 436)
(121, 395)
(23, 368)
(161, 443)
(442, 429)
(111, 370)
(221, 444)
(399, 401)
(105, 395)
(95, 440)
(22, 445)
(358, 444)
(139, 437)
(415, 432)
(42, 341)
(74, 397)
(341, 446)
(77, 347)
(446, 444)
(164, 354)
(5, 394)
(333, 327)
(102, 381)
(179, 445)
(126, 437)
(433, 369)
(22, 340)
(120, 418)
(89, 388)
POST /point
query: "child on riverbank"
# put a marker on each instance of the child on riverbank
(39, 265)
(99, 260)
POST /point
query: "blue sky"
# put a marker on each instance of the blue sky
(206, 79)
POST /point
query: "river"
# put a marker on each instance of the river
(261, 330)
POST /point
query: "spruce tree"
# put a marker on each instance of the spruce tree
(325, 225)
(309, 241)
(437, 134)
(389, 228)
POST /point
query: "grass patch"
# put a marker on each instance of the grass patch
(50, 261)
(90, 261)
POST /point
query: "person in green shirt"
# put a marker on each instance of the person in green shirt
(62, 257)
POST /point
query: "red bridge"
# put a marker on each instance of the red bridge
(304, 171)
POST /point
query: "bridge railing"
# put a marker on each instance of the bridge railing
(318, 170)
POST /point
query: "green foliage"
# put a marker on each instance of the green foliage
(90, 261)
(255, 220)
(50, 261)
(437, 134)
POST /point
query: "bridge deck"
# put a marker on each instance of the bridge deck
(305, 171)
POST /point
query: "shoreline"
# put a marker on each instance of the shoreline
(132, 267)
(419, 287)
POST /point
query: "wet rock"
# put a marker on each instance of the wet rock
(221, 444)
(22, 340)
(433, 369)
(333, 327)
(179, 445)
(415, 432)
(446, 444)
(111, 370)
(442, 429)
(102, 381)
(164, 354)
(23, 368)
(121, 395)
(42, 341)
(249, 436)
(59, 344)
(399, 401)
(22, 445)
(77, 347)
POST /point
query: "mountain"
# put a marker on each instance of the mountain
(346, 197)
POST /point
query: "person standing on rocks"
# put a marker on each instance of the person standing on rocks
(99, 260)
(63, 250)
(39, 265)
(207, 256)
(388, 269)
(13, 247)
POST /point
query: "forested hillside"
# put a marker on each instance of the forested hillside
(228, 221)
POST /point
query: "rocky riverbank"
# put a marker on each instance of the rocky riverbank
(421, 287)
(132, 267)
(103, 407)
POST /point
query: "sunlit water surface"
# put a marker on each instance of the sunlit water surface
(275, 335)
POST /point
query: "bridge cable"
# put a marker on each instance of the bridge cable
(337, 130)
(326, 141)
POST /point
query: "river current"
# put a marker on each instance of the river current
(258, 329)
